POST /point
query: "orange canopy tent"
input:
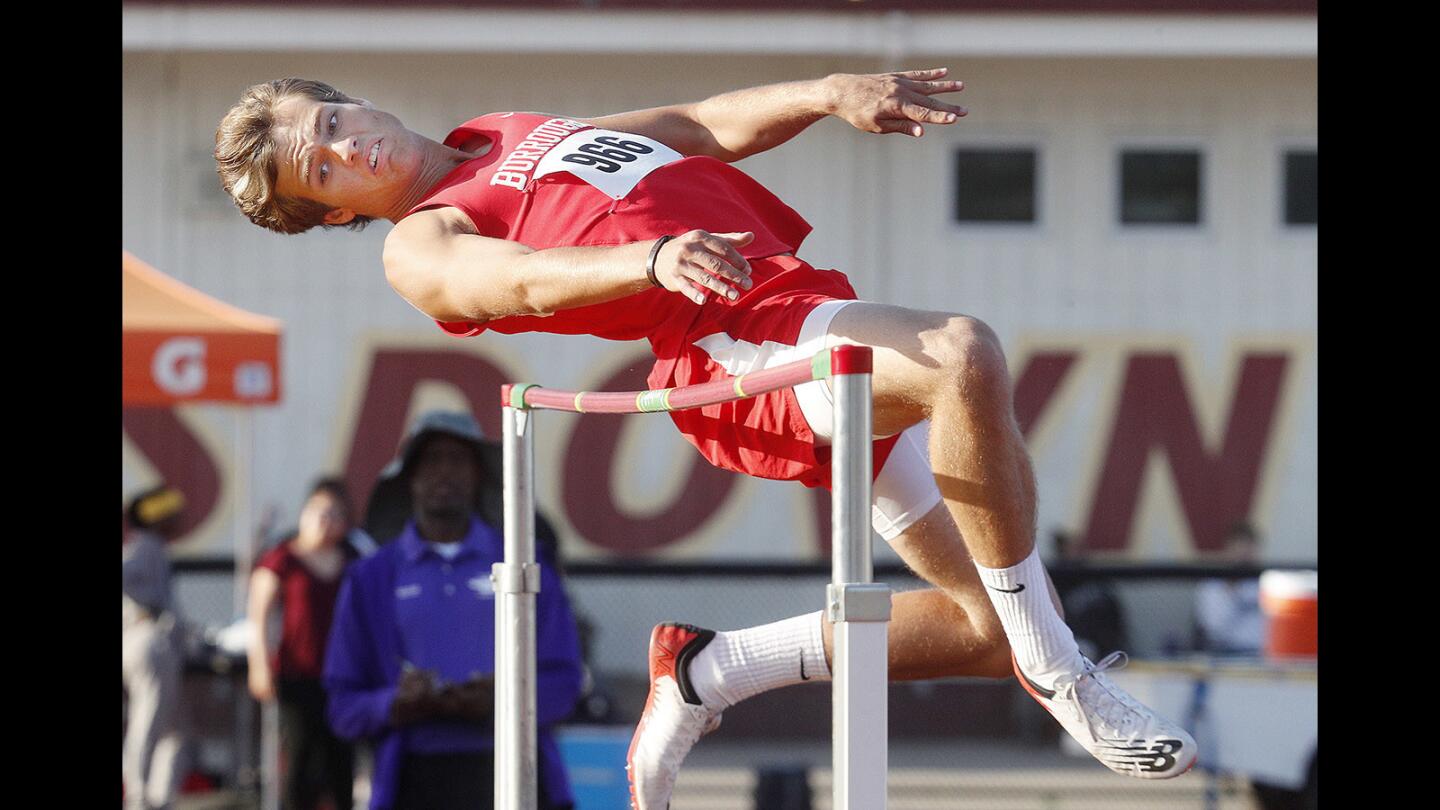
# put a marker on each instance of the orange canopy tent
(180, 345)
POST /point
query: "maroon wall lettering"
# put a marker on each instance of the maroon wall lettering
(588, 489)
(179, 457)
(1216, 489)
(394, 375)
(1037, 384)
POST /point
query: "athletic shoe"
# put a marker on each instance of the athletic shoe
(674, 717)
(1124, 734)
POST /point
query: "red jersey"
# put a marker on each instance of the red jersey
(555, 182)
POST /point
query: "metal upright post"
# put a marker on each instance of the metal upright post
(517, 582)
(858, 607)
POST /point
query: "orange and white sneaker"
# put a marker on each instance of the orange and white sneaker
(1125, 735)
(674, 718)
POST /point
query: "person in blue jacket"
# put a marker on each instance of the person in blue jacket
(411, 656)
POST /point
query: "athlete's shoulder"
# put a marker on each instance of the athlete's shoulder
(429, 224)
(441, 216)
(415, 246)
(491, 122)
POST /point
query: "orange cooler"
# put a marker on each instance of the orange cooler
(1292, 628)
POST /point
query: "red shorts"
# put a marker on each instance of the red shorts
(765, 436)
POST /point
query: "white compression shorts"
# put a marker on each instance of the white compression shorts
(905, 490)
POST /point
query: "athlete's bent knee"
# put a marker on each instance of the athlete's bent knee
(970, 352)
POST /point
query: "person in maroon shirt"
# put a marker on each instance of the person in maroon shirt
(302, 577)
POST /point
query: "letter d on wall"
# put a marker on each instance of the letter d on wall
(179, 366)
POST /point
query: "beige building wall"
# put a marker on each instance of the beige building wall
(881, 206)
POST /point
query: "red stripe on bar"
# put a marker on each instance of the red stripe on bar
(505, 393)
(690, 396)
(851, 360)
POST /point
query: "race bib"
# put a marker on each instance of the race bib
(614, 162)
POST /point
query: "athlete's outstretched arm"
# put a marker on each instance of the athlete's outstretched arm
(437, 262)
(735, 125)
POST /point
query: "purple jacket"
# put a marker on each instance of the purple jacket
(364, 657)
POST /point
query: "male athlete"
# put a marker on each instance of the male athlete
(636, 226)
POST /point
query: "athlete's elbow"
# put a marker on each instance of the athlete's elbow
(529, 299)
(404, 273)
(410, 283)
(422, 288)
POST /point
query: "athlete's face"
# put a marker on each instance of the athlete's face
(352, 157)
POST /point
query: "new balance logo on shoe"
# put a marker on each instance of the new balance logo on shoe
(1155, 759)
(1124, 734)
(1016, 589)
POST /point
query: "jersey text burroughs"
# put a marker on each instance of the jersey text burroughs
(515, 170)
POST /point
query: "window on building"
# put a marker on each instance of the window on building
(1160, 187)
(995, 185)
(1300, 189)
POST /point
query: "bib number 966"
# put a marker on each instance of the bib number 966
(613, 162)
(607, 153)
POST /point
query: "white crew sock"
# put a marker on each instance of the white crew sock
(738, 664)
(1043, 644)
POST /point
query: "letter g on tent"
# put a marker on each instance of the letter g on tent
(179, 366)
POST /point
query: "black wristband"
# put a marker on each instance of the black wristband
(650, 262)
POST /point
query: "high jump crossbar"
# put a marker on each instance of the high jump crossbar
(858, 606)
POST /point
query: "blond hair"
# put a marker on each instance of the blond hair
(245, 157)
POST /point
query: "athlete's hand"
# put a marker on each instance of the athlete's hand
(697, 261)
(894, 102)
